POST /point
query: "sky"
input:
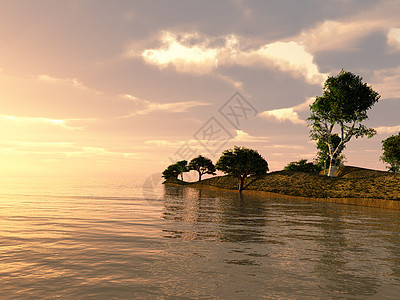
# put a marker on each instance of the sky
(125, 88)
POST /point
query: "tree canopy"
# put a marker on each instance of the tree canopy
(345, 102)
(242, 162)
(178, 168)
(303, 166)
(202, 165)
(391, 153)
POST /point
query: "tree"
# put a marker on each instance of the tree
(242, 162)
(323, 160)
(345, 102)
(302, 166)
(202, 165)
(178, 168)
(391, 153)
(182, 167)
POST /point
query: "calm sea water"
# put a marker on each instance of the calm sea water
(110, 239)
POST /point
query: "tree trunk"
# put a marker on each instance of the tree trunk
(332, 168)
(199, 176)
(241, 181)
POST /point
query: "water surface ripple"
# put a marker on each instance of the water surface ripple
(109, 243)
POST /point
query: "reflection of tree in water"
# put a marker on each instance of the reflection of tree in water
(338, 277)
(205, 214)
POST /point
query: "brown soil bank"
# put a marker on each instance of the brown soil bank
(352, 185)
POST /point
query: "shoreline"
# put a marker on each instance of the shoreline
(352, 186)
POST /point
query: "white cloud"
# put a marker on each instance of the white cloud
(242, 136)
(66, 81)
(388, 129)
(393, 38)
(289, 57)
(288, 114)
(334, 35)
(145, 107)
(197, 58)
(283, 114)
(199, 54)
(29, 121)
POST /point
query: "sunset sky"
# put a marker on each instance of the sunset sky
(122, 88)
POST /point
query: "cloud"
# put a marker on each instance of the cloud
(386, 83)
(289, 57)
(144, 107)
(345, 34)
(393, 38)
(388, 129)
(73, 82)
(197, 58)
(29, 121)
(164, 143)
(242, 136)
(334, 35)
(199, 54)
(283, 114)
(288, 114)
(59, 149)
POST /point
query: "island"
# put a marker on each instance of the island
(351, 185)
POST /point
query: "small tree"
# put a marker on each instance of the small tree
(391, 153)
(323, 159)
(202, 165)
(172, 171)
(242, 162)
(345, 102)
(182, 167)
(302, 166)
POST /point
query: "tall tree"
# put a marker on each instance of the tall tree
(391, 153)
(242, 162)
(202, 165)
(345, 102)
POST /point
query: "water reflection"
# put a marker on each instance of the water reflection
(341, 261)
(299, 248)
(215, 216)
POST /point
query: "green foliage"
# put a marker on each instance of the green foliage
(202, 165)
(303, 166)
(345, 102)
(242, 162)
(391, 153)
(172, 171)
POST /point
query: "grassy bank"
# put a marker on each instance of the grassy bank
(351, 183)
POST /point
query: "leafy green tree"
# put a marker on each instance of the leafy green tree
(345, 102)
(303, 166)
(172, 171)
(242, 162)
(391, 153)
(202, 165)
(323, 160)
